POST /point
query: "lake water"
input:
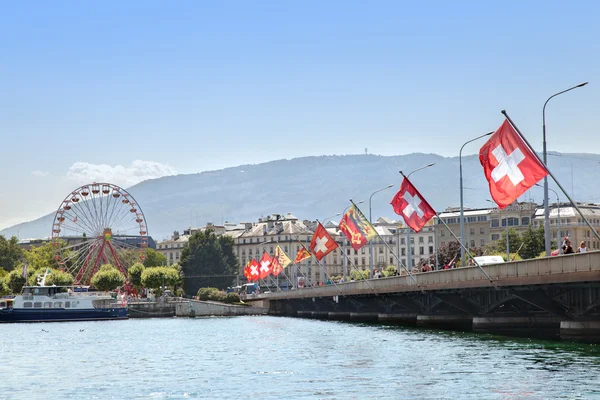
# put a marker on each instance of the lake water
(284, 358)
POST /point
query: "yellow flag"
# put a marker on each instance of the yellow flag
(281, 257)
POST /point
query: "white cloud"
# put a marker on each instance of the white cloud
(82, 172)
(40, 173)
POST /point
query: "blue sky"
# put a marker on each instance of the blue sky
(198, 85)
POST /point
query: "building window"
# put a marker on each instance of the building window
(430, 249)
(402, 241)
(495, 236)
(362, 251)
(481, 230)
(472, 243)
(482, 242)
(421, 250)
(443, 232)
(285, 248)
(403, 251)
(412, 251)
(356, 261)
(495, 223)
(472, 231)
(525, 221)
(348, 251)
(380, 250)
(355, 252)
(412, 240)
(430, 239)
(421, 240)
(362, 260)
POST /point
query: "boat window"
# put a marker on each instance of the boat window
(37, 304)
(47, 304)
(2, 304)
(67, 304)
(27, 304)
(58, 304)
(27, 291)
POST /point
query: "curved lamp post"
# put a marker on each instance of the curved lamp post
(546, 210)
(371, 221)
(558, 236)
(462, 218)
(408, 229)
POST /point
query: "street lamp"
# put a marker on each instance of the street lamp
(546, 210)
(462, 217)
(507, 243)
(408, 229)
(558, 236)
(371, 221)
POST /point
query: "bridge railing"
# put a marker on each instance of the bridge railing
(562, 268)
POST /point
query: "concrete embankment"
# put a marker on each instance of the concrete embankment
(196, 308)
(191, 308)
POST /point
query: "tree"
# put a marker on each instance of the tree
(10, 253)
(154, 259)
(390, 270)
(208, 260)
(156, 277)
(59, 278)
(533, 242)
(107, 278)
(446, 253)
(514, 241)
(15, 281)
(41, 257)
(135, 274)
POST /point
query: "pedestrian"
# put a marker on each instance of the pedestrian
(567, 249)
(582, 248)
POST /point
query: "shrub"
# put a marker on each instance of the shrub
(219, 295)
(204, 293)
(232, 298)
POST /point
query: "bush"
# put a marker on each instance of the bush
(219, 295)
(232, 298)
(204, 293)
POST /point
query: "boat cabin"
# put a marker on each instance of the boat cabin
(6, 303)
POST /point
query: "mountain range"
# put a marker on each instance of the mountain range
(318, 187)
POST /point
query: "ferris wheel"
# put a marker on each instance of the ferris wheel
(97, 224)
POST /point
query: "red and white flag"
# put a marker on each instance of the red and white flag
(509, 165)
(322, 243)
(409, 203)
(254, 273)
(265, 266)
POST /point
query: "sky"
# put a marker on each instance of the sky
(126, 91)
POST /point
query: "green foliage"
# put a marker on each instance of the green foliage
(514, 241)
(359, 275)
(154, 259)
(107, 278)
(15, 281)
(155, 277)
(208, 260)
(232, 298)
(533, 243)
(390, 270)
(10, 253)
(219, 295)
(42, 257)
(59, 278)
(205, 292)
(4, 290)
(135, 274)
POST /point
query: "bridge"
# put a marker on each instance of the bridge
(554, 297)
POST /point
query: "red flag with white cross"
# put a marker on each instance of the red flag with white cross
(409, 203)
(322, 243)
(509, 165)
(254, 273)
(265, 267)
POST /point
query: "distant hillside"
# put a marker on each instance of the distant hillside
(317, 187)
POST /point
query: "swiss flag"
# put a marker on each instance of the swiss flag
(409, 203)
(322, 243)
(509, 165)
(254, 273)
(265, 266)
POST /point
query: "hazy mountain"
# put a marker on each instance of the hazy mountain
(318, 187)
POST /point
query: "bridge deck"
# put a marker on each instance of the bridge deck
(563, 269)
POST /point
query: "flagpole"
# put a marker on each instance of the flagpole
(323, 269)
(466, 249)
(461, 244)
(552, 175)
(392, 252)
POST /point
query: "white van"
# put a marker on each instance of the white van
(488, 260)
